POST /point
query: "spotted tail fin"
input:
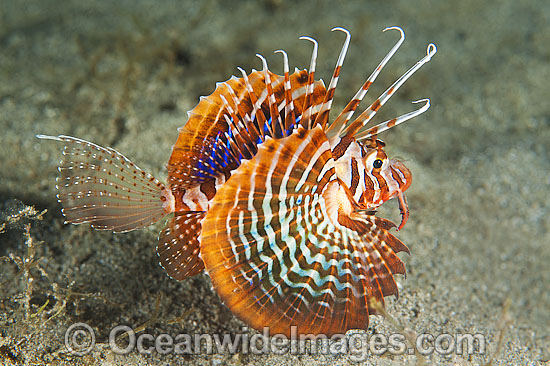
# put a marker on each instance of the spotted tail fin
(101, 186)
(285, 247)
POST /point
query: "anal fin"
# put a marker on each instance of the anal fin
(178, 247)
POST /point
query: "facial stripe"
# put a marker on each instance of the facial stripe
(382, 185)
(372, 183)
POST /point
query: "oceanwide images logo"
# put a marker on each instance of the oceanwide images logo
(80, 340)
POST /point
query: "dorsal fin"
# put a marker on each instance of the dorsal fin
(228, 125)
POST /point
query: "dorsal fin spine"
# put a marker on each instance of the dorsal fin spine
(346, 114)
(241, 132)
(257, 109)
(290, 117)
(386, 125)
(306, 110)
(251, 126)
(367, 115)
(322, 116)
(271, 101)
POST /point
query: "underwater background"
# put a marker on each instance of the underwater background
(124, 74)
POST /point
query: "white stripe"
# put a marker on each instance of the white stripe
(228, 227)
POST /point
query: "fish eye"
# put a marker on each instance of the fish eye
(377, 163)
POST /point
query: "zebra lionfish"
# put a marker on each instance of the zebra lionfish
(273, 200)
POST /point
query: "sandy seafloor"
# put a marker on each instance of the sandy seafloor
(123, 74)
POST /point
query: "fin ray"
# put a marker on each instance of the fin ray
(178, 245)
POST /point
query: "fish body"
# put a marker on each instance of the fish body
(268, 195)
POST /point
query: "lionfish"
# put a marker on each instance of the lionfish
(273, 200)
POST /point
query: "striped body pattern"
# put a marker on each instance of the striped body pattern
(275, 201)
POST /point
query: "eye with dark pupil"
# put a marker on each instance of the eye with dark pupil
(377, 164)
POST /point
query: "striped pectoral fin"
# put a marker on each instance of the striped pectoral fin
(178, 247)
(369, 235)
(101, 186)
(381, 247)
(278, 258)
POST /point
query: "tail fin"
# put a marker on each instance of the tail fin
(101, 186)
